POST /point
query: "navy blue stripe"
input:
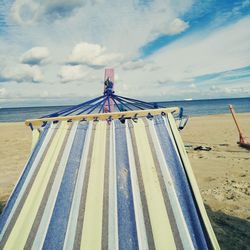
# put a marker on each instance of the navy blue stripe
(181, 183)
(7, 210)
(126, 216)
(59, 220)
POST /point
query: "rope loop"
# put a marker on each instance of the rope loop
(134, 118)
(31, 126)
(109, 120)
(122, 119)
(96, 119)
(149, 116)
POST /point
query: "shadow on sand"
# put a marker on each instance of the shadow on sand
(232, 232)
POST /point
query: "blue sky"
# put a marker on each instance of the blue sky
(207, 15)
(55, 51)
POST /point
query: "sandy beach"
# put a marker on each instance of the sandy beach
(222, 173)
(15, 148)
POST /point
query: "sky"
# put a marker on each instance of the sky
(54, 52)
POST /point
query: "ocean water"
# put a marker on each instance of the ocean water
(191, 108)
(211, 106)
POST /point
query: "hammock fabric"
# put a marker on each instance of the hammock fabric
(107, 185)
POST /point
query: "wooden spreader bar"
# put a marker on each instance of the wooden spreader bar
(102, 116)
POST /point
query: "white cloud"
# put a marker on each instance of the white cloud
(28, 12)
(44, 94)
(60, 7)
(193, 86)
(221, 50)
(25, 12)
(112, 36)
(36, 55)
(121, 33)
(169, 27)
(21, 73)
(118, 29)
(3, 92)
(178, 65)
(71, 73)
(135, 65)
(93, 55)
(176, 26)
(229, 90)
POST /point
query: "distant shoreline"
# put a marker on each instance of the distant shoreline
(143, 99)
(194, 108)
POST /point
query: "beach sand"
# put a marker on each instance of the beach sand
(15, 148)
(223, 174)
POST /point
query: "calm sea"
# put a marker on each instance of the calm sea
(191, 108)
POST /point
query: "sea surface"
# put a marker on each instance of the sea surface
(191, 108)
